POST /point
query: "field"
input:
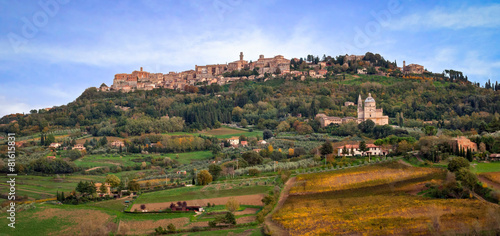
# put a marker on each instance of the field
(486, 167)
(383, 208)
(226, 132)
(91, 161)
(109, 138)
(197, 192)
(357, 178)
(102, 217)
(187, 157)
(42, 187)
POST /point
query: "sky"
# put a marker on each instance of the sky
(52, 50)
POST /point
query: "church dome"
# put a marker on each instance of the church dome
(369, 98)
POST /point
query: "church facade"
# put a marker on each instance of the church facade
(369, 111)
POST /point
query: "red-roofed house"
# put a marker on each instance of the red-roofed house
(51, 157)
(234, 141)
(244, 143)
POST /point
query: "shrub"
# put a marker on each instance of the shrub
(171, 227)
(456, 163)
(253, 172)
(232, 205)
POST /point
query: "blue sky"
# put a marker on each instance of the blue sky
(52, 50)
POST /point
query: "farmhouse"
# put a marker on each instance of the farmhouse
(54, 145)
(244, 143)
(117, 144)
(234, 141)
(463, 143)
(261, 142)
(353, 150)
(79, 147)
(108, 188)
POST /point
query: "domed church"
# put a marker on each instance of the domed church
(370, 111)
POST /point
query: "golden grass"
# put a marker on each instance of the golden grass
(357, 177)
(492, 176)
(374, 200)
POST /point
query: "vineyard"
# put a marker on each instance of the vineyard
(492, 176)
(360, 177)
(364, 203)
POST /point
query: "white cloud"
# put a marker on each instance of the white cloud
(482, 16)
(182, 51)
(7, 106)
(471, 63)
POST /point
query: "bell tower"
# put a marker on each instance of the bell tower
(360, 108)
(241, 56)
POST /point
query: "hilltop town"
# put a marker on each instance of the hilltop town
(262, 68)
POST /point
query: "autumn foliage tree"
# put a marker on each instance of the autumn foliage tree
(204, 177)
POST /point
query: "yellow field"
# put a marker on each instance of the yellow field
(492, 176)
(381, 209)
(357, 177)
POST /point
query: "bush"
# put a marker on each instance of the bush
(458, 162)
(171, 227)
(253, 172)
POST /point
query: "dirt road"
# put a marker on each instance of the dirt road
(274, 227)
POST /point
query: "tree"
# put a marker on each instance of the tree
(204, 177)
(252, 158)
(214, 170)
(270, 148)
(74, 154)
(229, 218)
(49, 139)
(326, 148)
(457, 163)
(134, 186)
(232, 205)
(267, 134)
(103, 188)
(283, 126)
(171, 227)
(362, 147)
(366, 126)
(468, 179)
(244, 123)
(113, 180)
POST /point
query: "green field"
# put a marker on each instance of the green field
(486, 167)
(187, 157)
(227, 132)
(191, 193)
(42, 187)
(109, 160)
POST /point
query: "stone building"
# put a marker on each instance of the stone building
(412, 68)
(370, 112)
(270, 65)
(463, 143)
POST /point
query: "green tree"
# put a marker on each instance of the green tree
(468, 179)
(362, 147)
(326, 148)
(252, 158)
(113, 180)
(204, 177)
(103, 188)
(457, 163)
(214, 170)
(267, 134)
(244, 123)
